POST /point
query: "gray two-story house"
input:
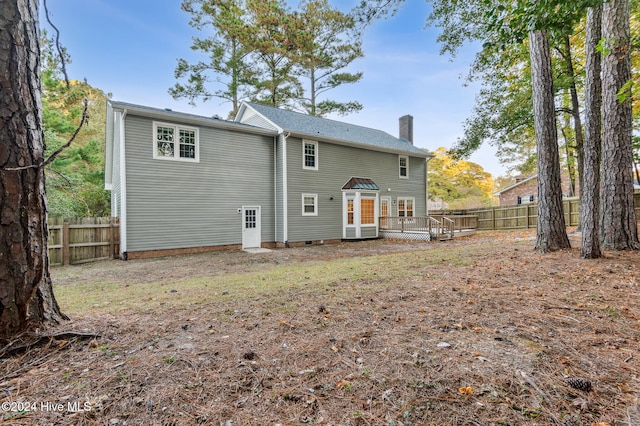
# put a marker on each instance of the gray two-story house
(185, 183)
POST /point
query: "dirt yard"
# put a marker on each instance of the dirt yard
(477, 331)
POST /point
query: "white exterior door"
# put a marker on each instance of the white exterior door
(385, 211)
(251, 227)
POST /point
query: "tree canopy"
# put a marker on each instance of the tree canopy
(265, 52)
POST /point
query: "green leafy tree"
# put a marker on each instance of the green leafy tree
(229, 61)
(275, 35)
(461, 183)
(75, 178)
(331, 42)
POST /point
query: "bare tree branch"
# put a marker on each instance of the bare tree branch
(60, 53)
(83, 120)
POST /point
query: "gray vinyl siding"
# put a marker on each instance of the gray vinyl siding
(336, 165)
(177, 204)
(368, 232)
(259, 121)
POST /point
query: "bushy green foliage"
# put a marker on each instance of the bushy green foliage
(75, 179)
(462, 184)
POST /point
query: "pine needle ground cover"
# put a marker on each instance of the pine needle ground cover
(477, 331)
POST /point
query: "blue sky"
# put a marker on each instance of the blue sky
(130, 49)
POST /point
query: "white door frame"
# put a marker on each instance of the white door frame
(251, 227)
(357, 198)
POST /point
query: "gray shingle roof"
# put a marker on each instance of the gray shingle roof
(311, 126)
(168, 114)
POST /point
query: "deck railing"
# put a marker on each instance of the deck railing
(405, 224)
(436, 225)
(466, 222)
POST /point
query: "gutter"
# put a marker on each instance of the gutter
(422, 154)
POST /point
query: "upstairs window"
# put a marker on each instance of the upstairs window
(309, 155)
(173, 142)
(403, 162)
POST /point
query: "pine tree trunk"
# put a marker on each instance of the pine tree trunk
(551, 233)
(26, 295)
(618, 218)
(592, 153)
(575, 113)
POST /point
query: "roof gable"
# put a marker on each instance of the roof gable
(310, 126)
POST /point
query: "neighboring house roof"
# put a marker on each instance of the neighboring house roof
(361, 183)
(309, 126)
(515, 185)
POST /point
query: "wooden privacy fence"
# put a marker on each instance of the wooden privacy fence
(526, 215)
(81, 240)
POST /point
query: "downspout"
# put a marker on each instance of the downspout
(123, 188)
(285, 195)
(275, 189)
(426, 184)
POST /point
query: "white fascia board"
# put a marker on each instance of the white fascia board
(243, 110)
(185, 118)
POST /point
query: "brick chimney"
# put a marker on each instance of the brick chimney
(406, 127)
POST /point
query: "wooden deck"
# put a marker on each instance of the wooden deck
(428, 228)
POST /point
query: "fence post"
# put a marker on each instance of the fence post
(112, 235)
(64, 236)
(493, 219)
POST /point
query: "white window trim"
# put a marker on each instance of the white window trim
(315, 204)
(304, 163)
(413, 202)
(176, 148)
(406, 157)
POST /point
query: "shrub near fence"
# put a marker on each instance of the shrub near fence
(80, 240)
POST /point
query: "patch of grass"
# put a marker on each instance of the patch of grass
(292, 281)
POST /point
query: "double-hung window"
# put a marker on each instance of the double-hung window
(403, 165)
(175, 142)
(309, 204)
(309, 155)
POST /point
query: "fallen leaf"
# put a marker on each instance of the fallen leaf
(466, 391)
(343, 384)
